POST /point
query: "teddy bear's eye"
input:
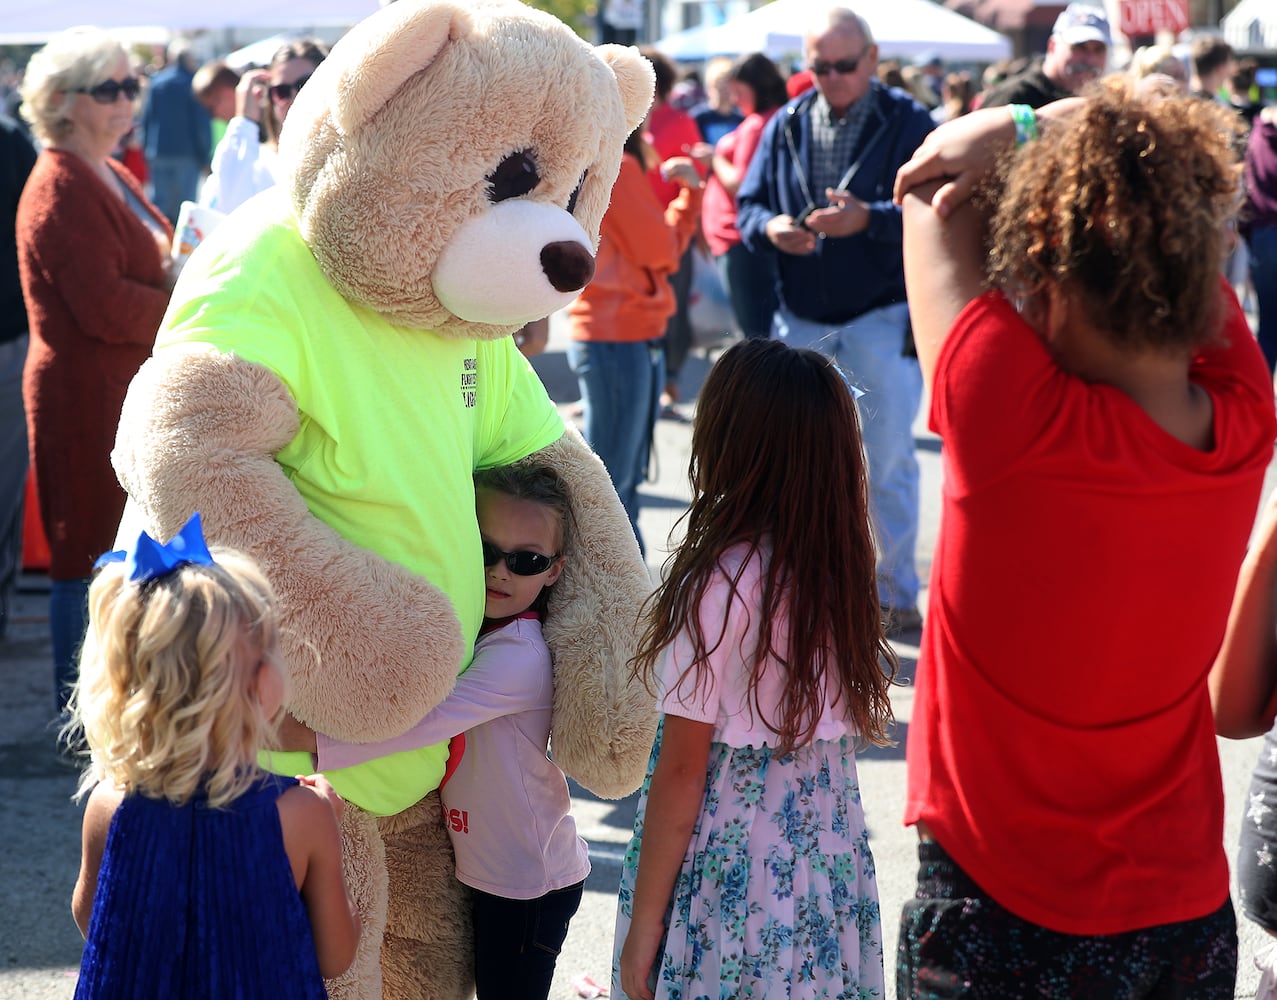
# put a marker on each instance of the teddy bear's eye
(576, 194)
(514, 177)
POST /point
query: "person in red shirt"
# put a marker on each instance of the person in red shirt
(1107, 419)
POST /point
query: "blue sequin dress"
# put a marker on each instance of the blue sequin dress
(195, 902)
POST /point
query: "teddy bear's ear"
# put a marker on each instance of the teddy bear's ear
(634, 74)
(378, 55)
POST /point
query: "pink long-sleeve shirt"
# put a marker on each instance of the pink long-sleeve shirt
(506, 804)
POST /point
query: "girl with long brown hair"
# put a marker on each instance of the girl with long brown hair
(755, 877)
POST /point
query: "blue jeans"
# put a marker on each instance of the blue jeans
(1263, 275)
(621, 391)
(174, 179)
(750, 279)
(68, 620)
(869, 350)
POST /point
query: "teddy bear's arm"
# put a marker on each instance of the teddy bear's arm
(604, 719)
(371, 646)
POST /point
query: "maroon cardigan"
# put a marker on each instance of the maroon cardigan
(93, 277)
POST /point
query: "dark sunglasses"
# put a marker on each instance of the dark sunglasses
(845, 67)
(108, 91)
(283, 91)
(520, 563)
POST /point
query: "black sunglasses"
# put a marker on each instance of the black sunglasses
(283, 91)
(845, 67)
(108, 91)
(520, 563)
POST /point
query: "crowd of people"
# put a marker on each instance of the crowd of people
(92, 265)
(1058, 260)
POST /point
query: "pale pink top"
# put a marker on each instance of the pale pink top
(507, 804)
(723, 699)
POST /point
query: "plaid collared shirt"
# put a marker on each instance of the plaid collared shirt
(834, 142)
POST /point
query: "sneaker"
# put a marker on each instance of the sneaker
(901, 621)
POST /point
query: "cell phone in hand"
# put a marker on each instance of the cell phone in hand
(800, 220)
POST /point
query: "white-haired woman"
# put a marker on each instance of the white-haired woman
(92, 252)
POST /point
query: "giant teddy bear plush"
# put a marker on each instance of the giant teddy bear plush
(334, 366)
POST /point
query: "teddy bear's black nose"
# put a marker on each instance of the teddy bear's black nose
(568, 265)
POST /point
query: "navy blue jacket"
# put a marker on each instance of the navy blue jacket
(845, 276)
(174, 123)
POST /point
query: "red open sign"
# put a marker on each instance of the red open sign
(1148, 17)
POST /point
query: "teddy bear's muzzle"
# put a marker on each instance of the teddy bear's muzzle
(517, 261)
(568, 266)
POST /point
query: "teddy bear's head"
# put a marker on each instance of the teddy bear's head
(450, 162)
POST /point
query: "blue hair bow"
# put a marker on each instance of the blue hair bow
(149, 560)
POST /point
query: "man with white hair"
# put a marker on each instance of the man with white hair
(1076, 54)
(817, 194)
(177, 133)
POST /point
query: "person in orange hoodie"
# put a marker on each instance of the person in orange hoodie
(618, 321)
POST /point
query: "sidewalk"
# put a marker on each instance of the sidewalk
(39, 825)
(40, 946)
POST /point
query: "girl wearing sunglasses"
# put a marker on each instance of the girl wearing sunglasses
(506, 804)
(93, 257)
(244, 161)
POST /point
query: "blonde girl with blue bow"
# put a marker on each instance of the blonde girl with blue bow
(201, 874)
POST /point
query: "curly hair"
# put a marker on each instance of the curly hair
(1125, 204)
(166, 694)
(777, 458)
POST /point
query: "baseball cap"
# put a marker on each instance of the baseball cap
(1081, 23)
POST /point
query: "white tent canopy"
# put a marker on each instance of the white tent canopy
(1251, 25)
(35, 21)
(902, 28)
(257, 53)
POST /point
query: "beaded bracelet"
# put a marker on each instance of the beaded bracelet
(1026, 123)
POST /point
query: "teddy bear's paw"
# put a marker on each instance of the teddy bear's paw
(382, 646)
(605, 751)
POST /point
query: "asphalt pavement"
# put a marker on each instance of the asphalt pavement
(40, 824)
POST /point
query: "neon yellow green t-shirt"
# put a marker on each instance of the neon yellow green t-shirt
(393, 423)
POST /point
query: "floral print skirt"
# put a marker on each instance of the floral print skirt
(776, 897)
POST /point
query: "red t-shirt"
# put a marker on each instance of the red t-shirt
(671, 133)
(1062, 748)
(718, 214)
